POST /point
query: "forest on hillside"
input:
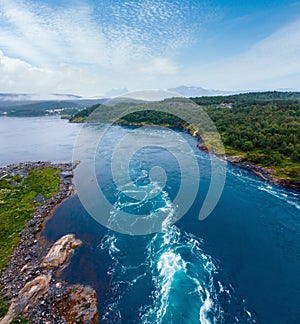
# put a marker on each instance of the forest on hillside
(263, 128)
(268, 134)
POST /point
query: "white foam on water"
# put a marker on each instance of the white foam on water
(205, 308)
(290, 199)
(293, 203)
(158, 209)
(170, 271)
(108, 243)
(168, 265)
(173, 259)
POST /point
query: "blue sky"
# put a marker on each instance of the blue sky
(89, 47)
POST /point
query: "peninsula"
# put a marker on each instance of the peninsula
(31, 289)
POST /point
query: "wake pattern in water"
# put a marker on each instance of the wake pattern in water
(181, 274)
(167, 278)
(288, 196)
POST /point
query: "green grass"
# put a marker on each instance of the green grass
(230, 151)
(284, 169)
(78, 120)
(20, 320)
(3, 307)
(288, 170)
(17, 205)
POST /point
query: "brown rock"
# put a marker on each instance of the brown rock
(234, 159)
(79, 305)
(27, 297)
(61, 251)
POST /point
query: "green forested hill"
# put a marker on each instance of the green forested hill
(263, 128)
(268, 135)
(250, 98)
(83, 114)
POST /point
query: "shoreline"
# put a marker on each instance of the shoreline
(265, 173)
(25, 262)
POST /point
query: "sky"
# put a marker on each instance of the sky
(101, 47)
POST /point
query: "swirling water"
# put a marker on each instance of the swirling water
(240, 265)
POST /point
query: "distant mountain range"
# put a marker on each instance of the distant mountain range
(23, 101)
(183, 90)
(191, 91)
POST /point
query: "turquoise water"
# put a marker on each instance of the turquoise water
(240, 265)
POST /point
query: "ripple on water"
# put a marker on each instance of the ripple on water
(177, 277)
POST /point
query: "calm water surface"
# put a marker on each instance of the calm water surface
(240, 265)
(36, 139)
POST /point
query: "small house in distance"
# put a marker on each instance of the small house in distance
(225, 105)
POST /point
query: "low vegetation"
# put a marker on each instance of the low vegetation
(83, 114)
(4, 306)
(17, 205)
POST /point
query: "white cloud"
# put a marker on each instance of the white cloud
(16, 73)
(74, 50)
(19, 76)
(85, 50)
(115, 34)
(160, 65)
(45, 37)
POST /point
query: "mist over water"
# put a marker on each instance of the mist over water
(240, 265)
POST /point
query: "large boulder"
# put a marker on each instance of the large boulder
(39, 198)
(61, 251)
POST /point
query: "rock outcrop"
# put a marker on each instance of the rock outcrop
(30, 251)
(61, 251)
(27, 297)
(79, 305)
(265, 173)
(79, 302)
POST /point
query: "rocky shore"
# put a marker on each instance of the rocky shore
(266, 174)
(30, 282)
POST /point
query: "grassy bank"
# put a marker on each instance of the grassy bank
(17, 205)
